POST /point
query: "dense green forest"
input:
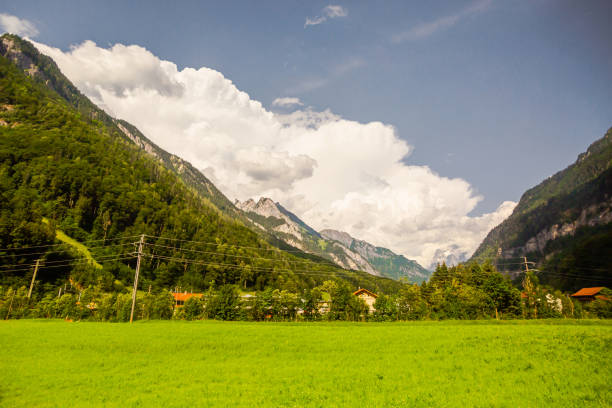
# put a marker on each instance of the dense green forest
(578, 198)
(62, 170)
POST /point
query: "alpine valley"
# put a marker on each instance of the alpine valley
(71, 172)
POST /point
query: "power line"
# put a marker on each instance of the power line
(255, 268)
(273, 249)
(237, 256)
(64, 260)
(194, 261)
(63, 243)
(449, 274)
(67, 264)
(92, 249)
(574, 275)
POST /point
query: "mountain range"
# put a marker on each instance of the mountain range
(95, 178)
(335, 246)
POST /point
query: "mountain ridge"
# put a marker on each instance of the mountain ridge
(335, 246)
(382, 259)
(564, 223)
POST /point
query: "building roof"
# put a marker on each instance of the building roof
(601, 297)
(367, 292)
(184, 295)
(588, 291)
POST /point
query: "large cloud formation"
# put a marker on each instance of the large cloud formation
(332, 172)
(15, 25)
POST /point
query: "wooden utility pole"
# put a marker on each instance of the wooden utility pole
(535, 305)
(10, 306)
(136, 276)
(33, 278)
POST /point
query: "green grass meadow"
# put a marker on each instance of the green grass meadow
(207, 363)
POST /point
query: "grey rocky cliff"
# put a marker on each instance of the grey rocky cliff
(591, 216)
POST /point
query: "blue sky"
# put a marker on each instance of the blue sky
(503, 98)
(500, 94)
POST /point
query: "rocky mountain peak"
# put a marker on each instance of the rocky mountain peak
(450, 256)
(265, 207)
(340, 236)
(12, 49)
(265, 201)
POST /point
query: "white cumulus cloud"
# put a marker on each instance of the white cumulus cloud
(331, 11)
(16, 25)
(332, 172)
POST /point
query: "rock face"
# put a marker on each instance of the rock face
(385, 261)
(335, 246)
(564, 224)
(342, 237)
(286, 226)
(592, 216)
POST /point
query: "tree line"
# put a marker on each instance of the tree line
(471, 291)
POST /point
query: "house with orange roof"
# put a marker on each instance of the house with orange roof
(590, 294)
(181, 297)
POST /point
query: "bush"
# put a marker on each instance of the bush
(224, 304)
(194, 308)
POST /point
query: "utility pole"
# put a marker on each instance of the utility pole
(136, 276)
(531, 288)
(33, 278)
(10, 306)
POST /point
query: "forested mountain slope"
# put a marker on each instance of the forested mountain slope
(64, 160)
(564, 224)
(43, 70)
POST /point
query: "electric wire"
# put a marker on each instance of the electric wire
(63, 243)
(273, 249)
(91, 249)
(64, 265)
(235, 256)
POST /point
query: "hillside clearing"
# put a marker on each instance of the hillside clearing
(76, 245)
(208, 363)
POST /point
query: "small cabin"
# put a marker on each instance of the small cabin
(368, 297)
(181, 297)
(589, 294)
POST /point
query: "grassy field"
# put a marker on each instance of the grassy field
(181, 364)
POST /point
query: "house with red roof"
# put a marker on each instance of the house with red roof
(181, 297)
(590, 294)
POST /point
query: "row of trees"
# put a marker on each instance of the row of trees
(464, 292)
